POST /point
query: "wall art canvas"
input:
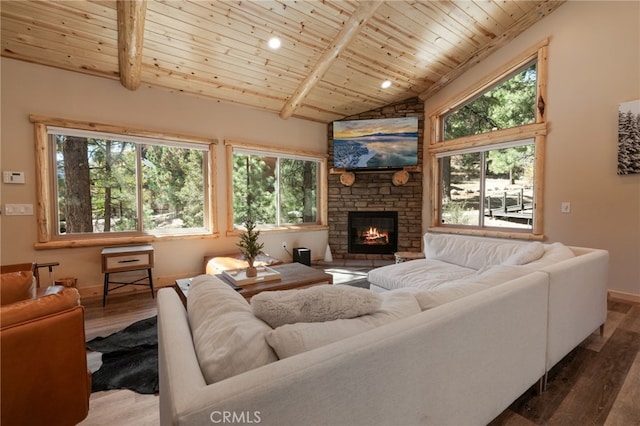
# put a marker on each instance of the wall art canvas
(629, 138)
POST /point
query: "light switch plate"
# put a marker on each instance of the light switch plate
(565, 207)
(18, 209)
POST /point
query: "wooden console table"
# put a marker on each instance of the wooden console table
(126, 259)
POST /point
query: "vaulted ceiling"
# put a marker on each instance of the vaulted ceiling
(334, 55)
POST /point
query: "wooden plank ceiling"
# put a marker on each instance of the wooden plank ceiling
(333, 58)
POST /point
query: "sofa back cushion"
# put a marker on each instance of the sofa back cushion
(16, 286)
(477, 252)
(292, 339)
(227, 337)
(56, 300)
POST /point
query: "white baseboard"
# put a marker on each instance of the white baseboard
(621, 295)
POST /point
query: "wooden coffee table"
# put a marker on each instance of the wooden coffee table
(294, 275)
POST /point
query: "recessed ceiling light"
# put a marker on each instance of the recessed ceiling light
(386, 84)
(274, 43)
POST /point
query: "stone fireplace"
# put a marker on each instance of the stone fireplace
(373, 191)
(373, 232)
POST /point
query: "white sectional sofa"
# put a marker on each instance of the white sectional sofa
(462, 361)
(456, 266)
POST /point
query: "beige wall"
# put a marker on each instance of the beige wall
(33, 89)
(594, 65)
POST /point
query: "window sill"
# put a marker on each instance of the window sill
(488, 233)
(107, 241)
(281, 229)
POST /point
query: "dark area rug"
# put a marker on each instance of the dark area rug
(129, 359)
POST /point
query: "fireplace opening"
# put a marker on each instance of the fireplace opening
(373, 232)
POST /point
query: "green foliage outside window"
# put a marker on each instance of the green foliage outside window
(298, 191)
(509, 104)
(508, 183)
(173, 186)
(254, 189)
(274, 190)
(99, 186)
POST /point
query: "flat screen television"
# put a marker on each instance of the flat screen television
(386, 143)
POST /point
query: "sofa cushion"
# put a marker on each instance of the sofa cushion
(420, 273)
(227, 337)
(475, 252)
(484, 279)
(16, 286)
(314, 304)
(292, 339)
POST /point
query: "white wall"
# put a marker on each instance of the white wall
(594, 65)
(34, 89)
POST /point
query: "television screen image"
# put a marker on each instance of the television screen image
(375, 144)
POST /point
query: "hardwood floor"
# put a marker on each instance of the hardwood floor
(596, 384)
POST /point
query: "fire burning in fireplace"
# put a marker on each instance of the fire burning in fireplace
(372, 236)
(373, 232)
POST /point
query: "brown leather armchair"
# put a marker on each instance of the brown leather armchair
(43, 360)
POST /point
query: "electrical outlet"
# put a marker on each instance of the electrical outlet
(284, 245)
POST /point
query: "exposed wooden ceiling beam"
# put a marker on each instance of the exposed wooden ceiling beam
(543, 9)
(131, 16)
(348, 32)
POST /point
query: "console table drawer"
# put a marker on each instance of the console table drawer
(120, 259)
(141, 261)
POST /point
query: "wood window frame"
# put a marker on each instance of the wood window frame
(537, 131)
(45, 190)
(322, 220)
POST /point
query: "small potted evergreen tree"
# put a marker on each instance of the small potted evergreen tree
(249, 246)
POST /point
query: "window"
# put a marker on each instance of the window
(511, 103)
(115, 183)
(277, 189)
(489, 188)
(486, 154)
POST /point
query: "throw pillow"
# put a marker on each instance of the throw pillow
(553, 253)
(292, 339)
(526, 254)
(314, 304)
(228, 338)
